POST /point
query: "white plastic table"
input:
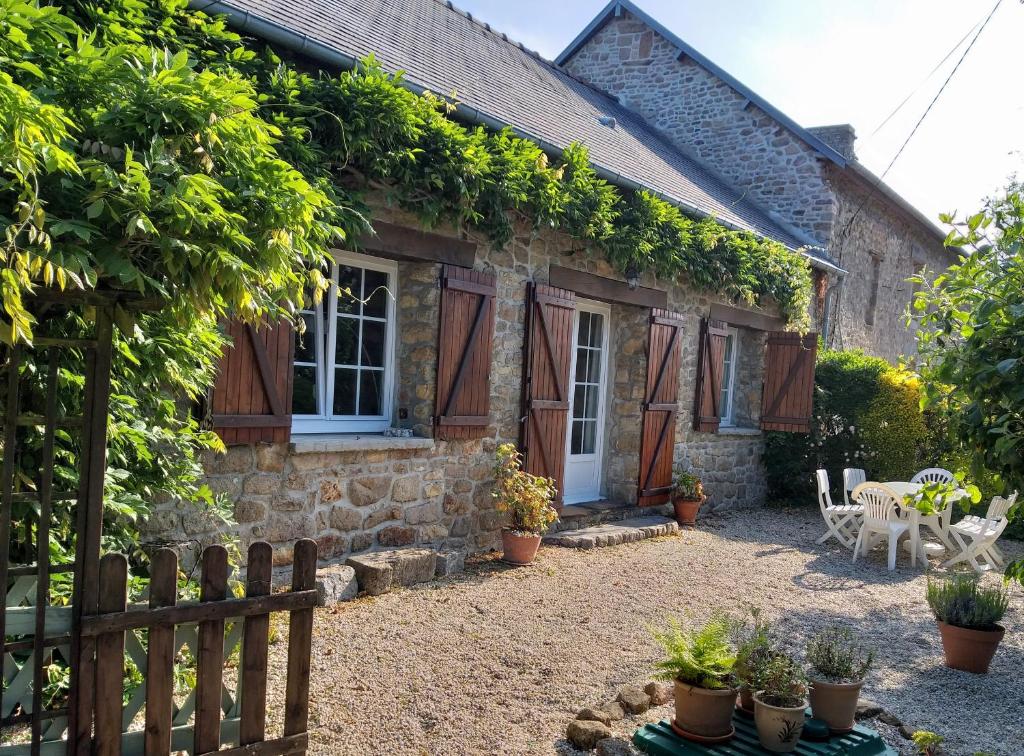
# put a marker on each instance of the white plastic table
(912, 515)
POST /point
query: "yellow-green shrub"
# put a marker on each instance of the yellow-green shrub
(893, 429)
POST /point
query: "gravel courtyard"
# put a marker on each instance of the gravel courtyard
(498, 660)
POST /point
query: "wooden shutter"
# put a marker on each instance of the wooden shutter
(788, 398)
(463, 400)
(550, 316)
(661, 402)
(706, 413)
(252, 397)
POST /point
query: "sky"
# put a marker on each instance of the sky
(849, 61)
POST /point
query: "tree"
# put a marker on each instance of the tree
(971, 340)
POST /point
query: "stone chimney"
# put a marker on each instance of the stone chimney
(839, 137)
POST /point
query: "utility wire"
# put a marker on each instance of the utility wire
(924, 81)
(941, 90)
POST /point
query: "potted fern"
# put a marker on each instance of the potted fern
(527, 498)
(838, 666)
(968, 616)
(687, 497)
(779, 703)
(699, 661)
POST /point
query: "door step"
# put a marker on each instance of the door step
(613, 533)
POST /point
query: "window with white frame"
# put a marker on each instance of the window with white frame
(344, 362)
(729, 359)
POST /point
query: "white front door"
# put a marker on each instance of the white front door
(589, 373)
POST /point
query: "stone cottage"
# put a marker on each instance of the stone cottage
(604, 383)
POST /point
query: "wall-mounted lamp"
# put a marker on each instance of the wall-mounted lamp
(632, 275)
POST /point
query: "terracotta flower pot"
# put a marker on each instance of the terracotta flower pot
(519, 548)
(835, 704)
(686, 509)
(747, 699)
(778, 727)
(967, 649)
(704, 715)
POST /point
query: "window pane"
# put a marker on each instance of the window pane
(582, 355)
(596, 323)
(346, 339)
(304, 391)
(584, 329)
(589, 436)
(305, 343)
(728, 348)
(373, 343)
(375, 293)
(593, 395)
(576, 445)
(579, 401)
(371, 389)
(349, 278)
(345, 391)
(594, 371)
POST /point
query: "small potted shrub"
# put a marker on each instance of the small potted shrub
(699, 661)
(527, 498)
(756, 645)
(779, 703)
(968, 615)
(838, 665)
(687, 496)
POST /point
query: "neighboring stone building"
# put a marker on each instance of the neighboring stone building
(310, 422)
(808, 177)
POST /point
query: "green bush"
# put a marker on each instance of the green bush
(866, 414)
(702, 656)
(962, 601)
(835, 655)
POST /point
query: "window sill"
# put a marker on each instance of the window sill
(737, 430)
(344, 442)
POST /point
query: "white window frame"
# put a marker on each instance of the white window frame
(326, 421)
(729, 378)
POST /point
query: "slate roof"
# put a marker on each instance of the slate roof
(444, 49)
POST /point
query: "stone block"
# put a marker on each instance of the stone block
(249, 510)
(633, 699)
(237, 459)
(385, 513)
(368, 490)
(345, 519)
(432, 534)
(330, 491)
(271, 457)
(660, 693)
(335, 583)
(261, 484)
(396, 535)
(585, 734)
(423, 513)
(331, 545)
(594, 715)
(449, 562)
(406, 488)
(380, 571)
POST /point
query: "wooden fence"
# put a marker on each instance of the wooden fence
(219, 718)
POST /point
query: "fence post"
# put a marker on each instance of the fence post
(163, 591)
(113, 597)
(300, 634)
(256, 631)
(210, 658)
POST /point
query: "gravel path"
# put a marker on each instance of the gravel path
(498, 660)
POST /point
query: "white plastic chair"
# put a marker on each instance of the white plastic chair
(852, 477)
(933, 475)
(841, 519)
(976, 536)
(881, 519)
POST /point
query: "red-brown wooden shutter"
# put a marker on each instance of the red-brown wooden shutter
(788, 398)
(463, 401)
(252, 397)
(661, 402)
(707, 413)
(550, 317)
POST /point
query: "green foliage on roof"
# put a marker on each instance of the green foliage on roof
(166, 154)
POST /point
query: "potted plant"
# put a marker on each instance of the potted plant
(699, 661)
(838, 665)
(687, 496)
(755, 646)
(968, 615)
(779, 703)
(527, 498)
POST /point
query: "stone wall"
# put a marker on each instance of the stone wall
(867, 227)
(706, 117)
(356, 493)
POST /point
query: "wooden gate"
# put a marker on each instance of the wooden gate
(549, 333)
(69, 616)
(657, 442)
